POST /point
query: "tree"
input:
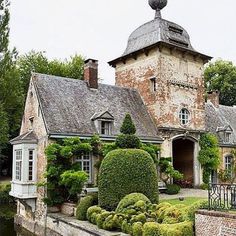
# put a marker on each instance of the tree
(38, 62)
(221, 76)
(167, 171)
(209, 155)
(11, 98)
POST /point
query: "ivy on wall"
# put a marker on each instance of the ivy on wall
(209, 155)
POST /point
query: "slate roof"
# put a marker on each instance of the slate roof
(221, 117)
(159, 31)
(68, 106)
(29, 136)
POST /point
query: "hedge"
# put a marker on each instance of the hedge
(84, 204)
(126, 171)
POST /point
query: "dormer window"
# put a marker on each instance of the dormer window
(106, 127)
(153, 84)
(103, 122)
(227, 137)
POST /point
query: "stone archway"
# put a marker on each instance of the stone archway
(183, 157)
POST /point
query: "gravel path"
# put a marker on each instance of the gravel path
(186, 192)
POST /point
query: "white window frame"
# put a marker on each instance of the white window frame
(18, 164)
(227, 137)
(31, 164)
(85, 161)
(229, 163)
(184, 116)
(107, 129)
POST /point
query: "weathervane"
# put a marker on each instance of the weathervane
(157, 5)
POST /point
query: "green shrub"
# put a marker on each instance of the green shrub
(128, 141)
(179, 229)
(101, 218)
(85, 203)
(151, 229)
(4, 193)
(126, 171)
(172, 189)
(137, 229)
(74, 181)
(126, 227)
(128, 126)
(91, 210)
(172, 215)
(194, 207)
(135, 199)
(161, 209)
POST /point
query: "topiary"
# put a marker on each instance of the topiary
(172, 189)
(128, 126)
(84, 204)
(128, 141)
(126, 227)
(151, 229)
(135, 199)
(91, 211)
(179, 229)
(137, 229)
(126, 171)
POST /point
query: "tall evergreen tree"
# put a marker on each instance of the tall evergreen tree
(11, 98)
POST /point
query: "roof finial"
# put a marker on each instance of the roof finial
(157, 5)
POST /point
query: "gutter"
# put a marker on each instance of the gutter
(104, 137)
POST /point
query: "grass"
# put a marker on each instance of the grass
(187, 201)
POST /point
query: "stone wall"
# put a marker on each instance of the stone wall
(33, 112)
(213, 223)
(180, 84)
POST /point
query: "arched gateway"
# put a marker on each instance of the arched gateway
(184, 154)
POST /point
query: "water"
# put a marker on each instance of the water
(7, 227)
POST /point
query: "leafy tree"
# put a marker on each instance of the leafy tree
(11, 99)
(209, 155)
(221, 76)
(38, 62)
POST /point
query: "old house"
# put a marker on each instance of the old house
(159, 81)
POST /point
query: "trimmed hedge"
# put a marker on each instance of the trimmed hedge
(128, 141)
(172, 189)
(131, 199)
(126, 171)
(85, 203)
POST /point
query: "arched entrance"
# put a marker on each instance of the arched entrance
(183, 157)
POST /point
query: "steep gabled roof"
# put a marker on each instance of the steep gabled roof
(221, 118)
(68, 106)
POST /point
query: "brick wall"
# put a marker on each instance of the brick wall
(211, 223)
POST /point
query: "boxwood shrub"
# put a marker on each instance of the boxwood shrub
(84, 204)
(172, 189)
(126, 171)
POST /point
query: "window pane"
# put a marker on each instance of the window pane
(31, 162)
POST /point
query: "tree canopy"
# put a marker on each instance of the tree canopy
(38, 62)
(221, 76)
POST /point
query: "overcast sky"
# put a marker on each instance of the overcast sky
(100, 29)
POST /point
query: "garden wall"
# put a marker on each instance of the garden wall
(213, 223)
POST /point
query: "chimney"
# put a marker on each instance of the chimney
(214, 98)
(91, 73)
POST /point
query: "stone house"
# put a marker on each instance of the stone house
(159, 81)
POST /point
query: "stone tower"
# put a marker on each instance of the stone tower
(162, 65)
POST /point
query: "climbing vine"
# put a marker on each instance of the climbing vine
(209, 155)
(64, 179)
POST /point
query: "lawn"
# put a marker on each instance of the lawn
(187, 201)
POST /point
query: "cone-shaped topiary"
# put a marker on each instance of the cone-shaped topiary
(128, 126)
(127, 138)
(125, 171)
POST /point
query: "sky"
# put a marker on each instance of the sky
(99, 29)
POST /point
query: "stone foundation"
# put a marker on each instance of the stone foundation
(68, 209)
(58, 224)
(213, 223)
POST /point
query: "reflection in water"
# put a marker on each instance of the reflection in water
(7, 227)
